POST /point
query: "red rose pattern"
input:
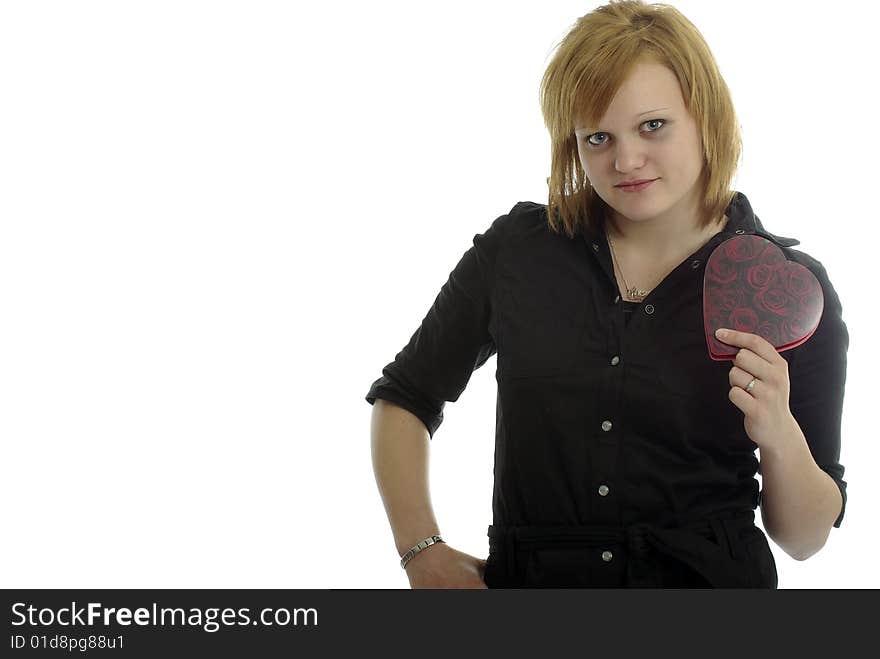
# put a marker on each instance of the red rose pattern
(750, 286)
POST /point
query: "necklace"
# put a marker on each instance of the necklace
(636, 294)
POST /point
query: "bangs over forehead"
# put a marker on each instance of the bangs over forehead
(589, 100)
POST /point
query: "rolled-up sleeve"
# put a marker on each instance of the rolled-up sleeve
(453, 340)
(818, 379)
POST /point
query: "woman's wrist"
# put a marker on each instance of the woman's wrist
(419, 547)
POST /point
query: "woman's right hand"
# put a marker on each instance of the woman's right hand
(441, 566)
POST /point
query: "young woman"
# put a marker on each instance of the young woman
(625, 455)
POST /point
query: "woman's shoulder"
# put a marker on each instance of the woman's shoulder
(526, 224)
(525, 216)
(518, 226)
(799, 256)
(810, 262)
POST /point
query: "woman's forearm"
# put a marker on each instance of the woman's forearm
(400, 449)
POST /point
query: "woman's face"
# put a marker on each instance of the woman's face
(646, 133)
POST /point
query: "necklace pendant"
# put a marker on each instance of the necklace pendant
(639, 295)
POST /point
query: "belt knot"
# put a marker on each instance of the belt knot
(638, 538)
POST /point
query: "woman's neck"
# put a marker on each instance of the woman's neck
(648, 245)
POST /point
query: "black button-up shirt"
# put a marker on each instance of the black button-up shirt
(610, 414)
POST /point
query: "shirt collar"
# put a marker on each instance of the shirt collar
(742, 219)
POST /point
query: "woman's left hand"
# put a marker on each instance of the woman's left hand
(768, 419)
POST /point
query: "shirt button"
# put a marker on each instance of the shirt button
(695, 264)
(649, 308)
(595, 247)
(615, 360)
(603, 490)
(607, 556)
(606, 426)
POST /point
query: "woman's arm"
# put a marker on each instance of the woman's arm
(400, 448)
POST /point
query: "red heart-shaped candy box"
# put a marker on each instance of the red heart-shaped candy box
(750, 286)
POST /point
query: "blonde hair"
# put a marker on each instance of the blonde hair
(591, 63)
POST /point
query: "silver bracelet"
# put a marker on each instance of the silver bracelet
(427, 542)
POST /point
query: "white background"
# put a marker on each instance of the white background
(220, 220)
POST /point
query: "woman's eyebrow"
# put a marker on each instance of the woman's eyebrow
(650, 111)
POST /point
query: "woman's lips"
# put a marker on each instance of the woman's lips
(635, 188)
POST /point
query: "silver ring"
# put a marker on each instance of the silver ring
(751, 385)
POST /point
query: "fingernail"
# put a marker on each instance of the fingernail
(720, 332)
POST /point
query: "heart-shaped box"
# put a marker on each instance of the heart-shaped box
(749, 286)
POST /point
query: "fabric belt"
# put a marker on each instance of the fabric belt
(708, 546)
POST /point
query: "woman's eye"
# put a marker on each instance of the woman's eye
(649, 121)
